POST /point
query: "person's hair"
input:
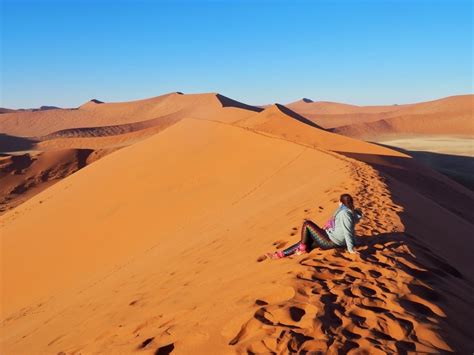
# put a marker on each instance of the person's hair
(347, 201)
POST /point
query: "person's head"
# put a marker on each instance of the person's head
(347, 201)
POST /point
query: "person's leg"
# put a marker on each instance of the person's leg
(286, 252)
(311, 235)
(305, 242)
(291, 250)
(300, 246)
(317, 235)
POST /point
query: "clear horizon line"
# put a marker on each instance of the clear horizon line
(230, 97)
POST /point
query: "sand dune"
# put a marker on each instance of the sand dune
(307, 106)
(407, 125)
(157, 247)
(456, 124)
(91, 126)
(105, 126)
(5, 110)
(451, 115)
(92, 114)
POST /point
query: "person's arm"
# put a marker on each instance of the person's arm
(348, 231)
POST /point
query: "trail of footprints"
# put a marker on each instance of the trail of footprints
(370, 304)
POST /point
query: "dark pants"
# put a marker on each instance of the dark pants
(311, 237)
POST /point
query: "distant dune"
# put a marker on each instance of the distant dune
(409, 127)
(42, 108)
(153, 238)
(104, 127)
(449, 116)
(5, 110)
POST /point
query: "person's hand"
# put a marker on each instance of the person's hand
(353, 252)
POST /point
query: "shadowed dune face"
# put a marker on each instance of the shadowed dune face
(451, 156)
(438, 193)
(12, 144)
(25, 175)
(124, 254)
(227, 102)
(296, 116)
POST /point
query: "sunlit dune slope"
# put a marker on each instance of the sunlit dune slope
(160, 166)
(104, 127)
(156, 248)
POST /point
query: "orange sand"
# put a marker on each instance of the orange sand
(157, 247)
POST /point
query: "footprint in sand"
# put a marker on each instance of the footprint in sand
(281, 243)
(145, 343)
(296, 313)
(260, 302)
(165, 350)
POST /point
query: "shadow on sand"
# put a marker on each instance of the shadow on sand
(420, 179)
(457, 167)
(228, 102)
(435, 281)
(13, 144)
(396, 288)
(297, 116)
(427, 201)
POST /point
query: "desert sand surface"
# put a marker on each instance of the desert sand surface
(158, 246)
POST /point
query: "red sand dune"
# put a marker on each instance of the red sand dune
(106, 126)
(157, 246)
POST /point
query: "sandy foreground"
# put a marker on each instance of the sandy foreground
(152, 237)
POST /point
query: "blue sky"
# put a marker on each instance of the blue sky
(363, 52)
